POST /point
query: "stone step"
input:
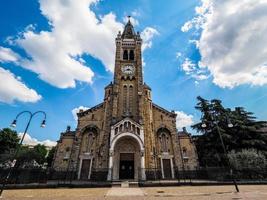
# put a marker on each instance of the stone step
(125, 184)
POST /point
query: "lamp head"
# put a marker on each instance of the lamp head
(43, 124)
(203, 125)
(14, 123)
(230, 125)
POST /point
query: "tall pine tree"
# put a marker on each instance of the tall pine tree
(243, 135)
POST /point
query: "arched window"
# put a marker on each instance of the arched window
(90, 142)
(125, 98)
(131, 98)
(125, 126)
(125, 55)
(164, 141)
(88, 148)
(184, 152)
(133, 128)
(137, 130)
(131, 55)
(67, 153)
(129, 126)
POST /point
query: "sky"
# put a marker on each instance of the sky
(58, 55)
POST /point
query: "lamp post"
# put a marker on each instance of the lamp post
(229, 125)
(14, 123)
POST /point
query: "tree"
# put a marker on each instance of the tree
(32, 157)
(9, 141)
(243, 135)
(247, 158)
(50, 156)
(41, 153)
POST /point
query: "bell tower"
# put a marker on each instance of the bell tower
(128, 76)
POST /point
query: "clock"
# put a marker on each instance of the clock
(128, 69)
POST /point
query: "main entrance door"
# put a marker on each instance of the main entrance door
(126, 166)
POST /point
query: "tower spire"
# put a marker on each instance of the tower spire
(128, 31)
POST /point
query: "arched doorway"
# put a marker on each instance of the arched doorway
(126, 159)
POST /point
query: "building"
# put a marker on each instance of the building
(127, 136)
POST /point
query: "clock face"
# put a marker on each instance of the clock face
(128, 69)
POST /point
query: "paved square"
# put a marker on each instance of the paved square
(125, 192)
(247, 192)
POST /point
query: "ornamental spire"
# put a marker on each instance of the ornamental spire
(128, 31)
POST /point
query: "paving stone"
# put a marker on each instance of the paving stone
(125, 192)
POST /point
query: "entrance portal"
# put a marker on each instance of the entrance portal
(126, 166)
(126, 159)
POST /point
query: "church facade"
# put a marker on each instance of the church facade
(126, 136)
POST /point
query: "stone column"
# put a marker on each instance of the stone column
(171, 159)
(110, 166)
(143, 173)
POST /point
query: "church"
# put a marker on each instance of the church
(127, 136)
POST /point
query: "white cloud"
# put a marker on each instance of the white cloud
(75, 31)
(147, 35)
(7, 55)
(193, 70)
(188, 66)
(28, 140)
(56, 55)
(12, 89)
(76, 110)
(183, 119)
(233, 40)
(199, 21)
(195, 42)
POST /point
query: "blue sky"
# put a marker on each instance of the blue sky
(189, 52)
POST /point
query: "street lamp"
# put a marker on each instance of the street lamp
(14, 159)
(203, 125)
(229, 125)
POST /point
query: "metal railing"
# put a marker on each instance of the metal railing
(211, 174)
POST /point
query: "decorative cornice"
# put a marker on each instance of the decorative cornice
(81, 114)
(171, 114)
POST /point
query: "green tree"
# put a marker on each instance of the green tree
(28, 156)
(247, 158)
(41, 153)
(50, 156)
(9, 141)
(243, 135)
